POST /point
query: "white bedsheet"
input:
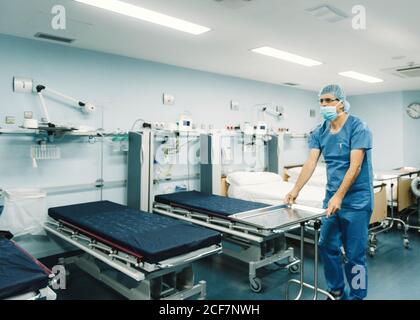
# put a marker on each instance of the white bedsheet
(273, 193)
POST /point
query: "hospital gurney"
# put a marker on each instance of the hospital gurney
(22, 277)
(256, 228)
(401, 179)
(155, 252)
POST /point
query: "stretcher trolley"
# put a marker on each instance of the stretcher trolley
(150, 255)
(22, 277)
(256, 229)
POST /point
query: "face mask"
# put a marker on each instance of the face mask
(329, 113)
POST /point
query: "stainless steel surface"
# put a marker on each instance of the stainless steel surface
(259, 211)
(278, 217)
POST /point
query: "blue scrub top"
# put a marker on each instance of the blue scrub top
(336, 149)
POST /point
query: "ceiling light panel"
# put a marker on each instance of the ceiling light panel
(360, 76)
(287, 56)
(133, 11)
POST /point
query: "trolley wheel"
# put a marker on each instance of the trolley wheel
(295, 268)
(372, 251)
(406, 243)
(255, 284)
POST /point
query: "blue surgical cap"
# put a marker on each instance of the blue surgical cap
(338, 92)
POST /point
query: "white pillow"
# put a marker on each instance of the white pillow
(318, 179)
(293, 173)
(320, 173)
(242, 178)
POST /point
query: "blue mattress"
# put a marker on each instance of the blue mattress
(149, 235)
(209, 204)
(19, 273)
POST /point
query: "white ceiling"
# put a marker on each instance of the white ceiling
(392, 30)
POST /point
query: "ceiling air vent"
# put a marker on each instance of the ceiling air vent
(327, 13)
(408, 71)
(233, 4)
(51, 37)
(291, 84)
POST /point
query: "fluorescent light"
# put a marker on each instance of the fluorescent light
(146, 15)
(360, 76)
(286, 56)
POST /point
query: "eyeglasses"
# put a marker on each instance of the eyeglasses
(327, 100)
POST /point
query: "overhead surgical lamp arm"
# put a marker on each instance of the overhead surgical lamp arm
(85, 107)
(272, 112)
(271, 109)
(44, 106)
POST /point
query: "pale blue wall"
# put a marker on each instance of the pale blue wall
(395, 134)
(383, 114)
(126, 89)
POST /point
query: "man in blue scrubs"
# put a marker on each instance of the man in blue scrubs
(345, 143)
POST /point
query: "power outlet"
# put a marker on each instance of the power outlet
(312, 113)
(28, 115)
(168, 99)
(10, 120)
(234, 105)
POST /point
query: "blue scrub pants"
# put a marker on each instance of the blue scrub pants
(347, 228)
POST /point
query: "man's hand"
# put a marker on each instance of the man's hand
(291, 197)
(334, 205)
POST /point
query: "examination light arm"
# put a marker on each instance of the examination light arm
(272, 112)
(85, 107)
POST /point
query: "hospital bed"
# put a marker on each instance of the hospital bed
(400, 198)
(22, 277)
(256, 229)
(151, 253)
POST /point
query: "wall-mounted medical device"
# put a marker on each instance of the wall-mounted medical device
(85, 107)
(275, 111)
(26, 86)
(261, 128)
(248, 129)
(22, 85)
(185, 123)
